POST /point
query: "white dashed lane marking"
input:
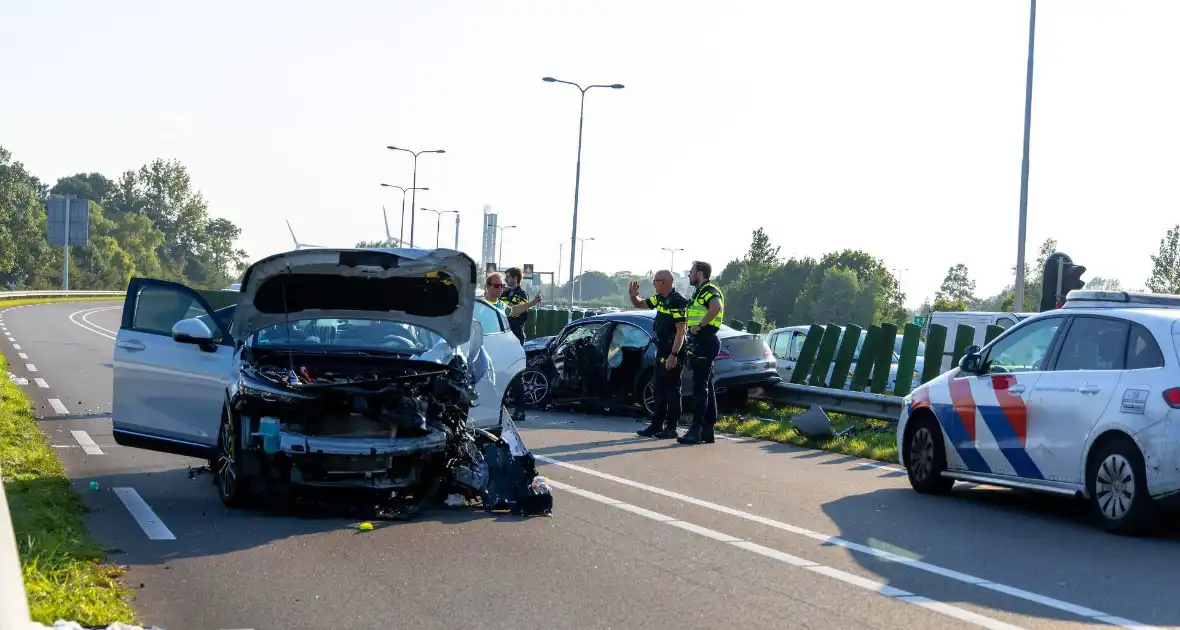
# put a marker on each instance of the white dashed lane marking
(795, 561)
(30, 367)
(143, 514)
(16, 346)
(880, 554)
(22, 355)
(58, 407)
(83, 439)
(41, 383)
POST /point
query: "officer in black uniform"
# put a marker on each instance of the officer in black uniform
(512, 296)
(670, 331)
(704, 313)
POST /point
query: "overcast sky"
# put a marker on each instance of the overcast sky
(893, 127)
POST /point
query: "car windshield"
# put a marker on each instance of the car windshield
(347, 334)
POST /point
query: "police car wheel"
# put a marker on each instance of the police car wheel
(1117, 484)
(925, 457)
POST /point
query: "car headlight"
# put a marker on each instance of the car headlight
(267, 392)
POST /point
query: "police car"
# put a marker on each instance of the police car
(1080, 401)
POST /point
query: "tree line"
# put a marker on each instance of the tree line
(957, 291)
(148, 222)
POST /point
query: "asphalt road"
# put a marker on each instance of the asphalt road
(645, 534)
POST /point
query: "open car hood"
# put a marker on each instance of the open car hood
(430, 288)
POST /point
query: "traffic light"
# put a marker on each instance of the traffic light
(1059, 267)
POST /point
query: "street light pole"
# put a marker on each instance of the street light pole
(672, 262)
(401, 233)
(1018, 292)
(556, 281)
(578, 174)
(581, 265)
(501, 254)
(438, 223)
(414, 185)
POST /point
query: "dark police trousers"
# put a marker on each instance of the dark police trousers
(666, 387)
(704, 398)
(516, 385)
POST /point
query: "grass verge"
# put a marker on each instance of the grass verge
(64, 572)
(871, 439)
(21, 302)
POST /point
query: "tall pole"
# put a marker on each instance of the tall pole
(1018, 293)
(65, 273)
(456, 230)
(414, 186)
(401, 232)
(577, 176)
(560, 248)
(672, 261)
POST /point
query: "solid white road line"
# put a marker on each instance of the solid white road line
(880, 554)
(22, 355)
(41, 383)
(86, 318)
(91, 327)
(143, 514)
(795, 561)
(58, 407)
(87, 444)
(30, 367)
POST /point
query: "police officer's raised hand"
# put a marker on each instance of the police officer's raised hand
(670, 363)
(536, 300)
(633, 289)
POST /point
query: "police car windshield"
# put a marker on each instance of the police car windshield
(347, 334)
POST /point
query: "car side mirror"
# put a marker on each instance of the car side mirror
(972, 361)
(192, 331)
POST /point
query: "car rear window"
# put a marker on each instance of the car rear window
(1142, 350)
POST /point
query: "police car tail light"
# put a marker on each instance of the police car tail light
(721, 354)
(1172, 397)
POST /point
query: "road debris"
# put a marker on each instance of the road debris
(365, 527)
(17, 380)
(193, 472)
(94, 485)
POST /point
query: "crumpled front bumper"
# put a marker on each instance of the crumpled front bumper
(300, 444)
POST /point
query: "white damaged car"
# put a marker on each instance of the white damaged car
(361, 368)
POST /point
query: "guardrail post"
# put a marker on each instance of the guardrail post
(844, 356)
(907, 360)
(882, 358)
(864, 364)
(807, 354)
(827, 348)
(964, 336)
(991, 333)
(579, 315)
(935, 347)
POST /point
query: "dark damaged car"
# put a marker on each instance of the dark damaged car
(348, 368)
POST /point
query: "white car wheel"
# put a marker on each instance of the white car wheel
(1117, 481)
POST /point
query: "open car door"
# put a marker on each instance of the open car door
(172, 361)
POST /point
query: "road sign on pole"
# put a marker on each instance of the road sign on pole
(919, 320)
(68, 224)
(528, 271)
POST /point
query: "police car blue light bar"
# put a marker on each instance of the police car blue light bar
(1125, 299)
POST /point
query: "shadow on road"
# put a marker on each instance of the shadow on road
(1044, 544)
(203, 526)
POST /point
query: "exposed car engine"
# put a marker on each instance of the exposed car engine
(395, 427)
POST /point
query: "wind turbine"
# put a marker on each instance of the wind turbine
(298, 245)
(389, 237)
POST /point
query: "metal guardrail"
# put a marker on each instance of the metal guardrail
(20, 295)
(864, 404)
(14, 607)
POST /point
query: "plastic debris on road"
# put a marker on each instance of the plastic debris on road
(73, 625)
(456, 500)
(17, 380)
(365, 527)
(94, 485)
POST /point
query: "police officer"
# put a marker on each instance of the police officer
(513, 296)
(670, 331)
(703, 316)
(494, 294)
